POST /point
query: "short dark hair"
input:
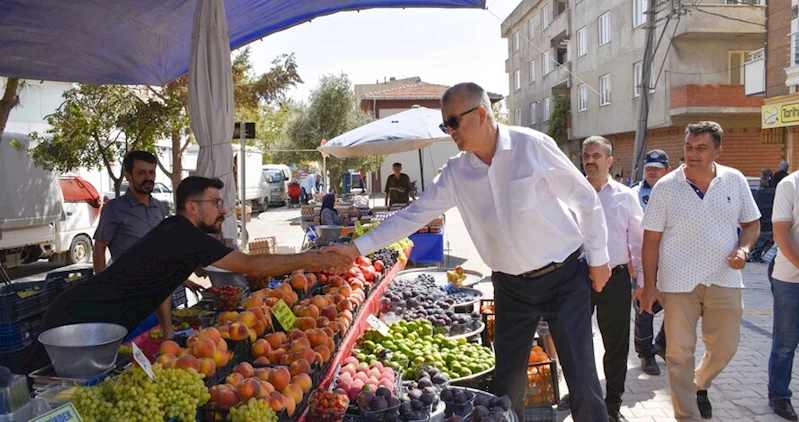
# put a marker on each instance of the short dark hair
(712, 128)
(147, 157)
(194, 186)
(396, 165)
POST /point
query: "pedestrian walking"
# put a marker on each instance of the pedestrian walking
(693, 254)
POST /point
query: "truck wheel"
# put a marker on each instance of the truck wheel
(264, 205)
(80, 252)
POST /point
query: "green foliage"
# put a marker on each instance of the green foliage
(500, 112)
(251, 91)
(557, 121)
(332, 110)
(16, 145)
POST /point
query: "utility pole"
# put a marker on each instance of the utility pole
(639, 149)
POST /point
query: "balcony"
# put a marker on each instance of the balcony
(718, 17)
(792, 72)
(703, 100)
(755, 74)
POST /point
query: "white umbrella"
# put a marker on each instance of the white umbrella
(211, 101)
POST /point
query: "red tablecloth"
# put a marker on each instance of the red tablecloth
(359, 325)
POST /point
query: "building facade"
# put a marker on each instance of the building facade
(591, 53)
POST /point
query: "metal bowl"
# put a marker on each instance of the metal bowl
(222, 277)
(83, 350)
(328, 233)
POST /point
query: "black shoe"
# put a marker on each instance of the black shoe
(661, 351)
(705, 409)
(783, 409)
(616, 417)
(564, 403)
(649, 365)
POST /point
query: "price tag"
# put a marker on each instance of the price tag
(66, 412)
(142, 360)
(284, 316)
(378, 325)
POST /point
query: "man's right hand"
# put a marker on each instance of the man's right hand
(599, 276)
(336, 259)
(648, 298)
(347, 249)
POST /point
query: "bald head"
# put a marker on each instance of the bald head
(470, 93)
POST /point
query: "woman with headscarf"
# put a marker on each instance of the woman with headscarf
(783, 171)
(766, 179)
(328, 216)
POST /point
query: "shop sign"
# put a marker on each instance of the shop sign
(284, 316)
(64, 413)
(779, 115)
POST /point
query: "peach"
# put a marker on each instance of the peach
(221, 344)
(275, 339)
(346, 314)
(258, 311)
(210, 333)
(204, 348)
(336, 326)
(278, 294)
(331, 345)
(294, 334)
(324, 351)
(316, 337)
(247, 318)
(270, 301)
(304, 381)
(329, 331)
(227, 316)
(299, 344)
(266, 389)
(293, 390)
(193, 338)
(224, 331)
(307, 354)
(259, 328)
(261, 360)
(169, 347)
(163, 359)
(275, 355)
(290, 404)
(291, 298)
(234, 379)
(252, 302)
(214, 392)
(239, 331)
(284, 287)
(220, 358)
(276, 401)
(345, 290)
(299, 282)
(252, 335)
(188, 362)
(207, 367)
(344, 305)
(319, 301)
(229, 355)
(279, 377)
(299, 366)
(248, 388)
(330, 312)
(311, 278)
(227, 398)
(262, 373)
(245, 369)
(170, 364)
(260, 348)
(322, 321)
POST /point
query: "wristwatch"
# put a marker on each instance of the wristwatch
(746, 252)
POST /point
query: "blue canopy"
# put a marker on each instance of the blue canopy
(143, 41)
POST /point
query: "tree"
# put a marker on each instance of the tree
(500, 113)
(332, 110)
(9, 100)
(97, 125)
(558, 121)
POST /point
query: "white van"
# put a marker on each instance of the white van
(278, 176)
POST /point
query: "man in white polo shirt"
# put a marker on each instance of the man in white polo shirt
(693, 254)
(785, 289)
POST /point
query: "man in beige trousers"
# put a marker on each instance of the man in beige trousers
(693, 253)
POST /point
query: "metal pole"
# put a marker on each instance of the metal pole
(325, 188)
(243, 181)
(421, 169)
(639, 149)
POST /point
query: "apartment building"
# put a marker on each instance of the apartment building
(773, 71)
(591, 52)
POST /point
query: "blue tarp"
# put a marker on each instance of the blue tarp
(143, 41)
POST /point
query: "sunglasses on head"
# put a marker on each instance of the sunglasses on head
(453, 122)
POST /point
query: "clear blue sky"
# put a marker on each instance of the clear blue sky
(443, 46)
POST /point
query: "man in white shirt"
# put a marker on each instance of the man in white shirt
(623, 215)
(308, 185)
(516, 192)
(785, 289)
(656, 166)
(694, 254)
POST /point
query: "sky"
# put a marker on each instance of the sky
(442, 46)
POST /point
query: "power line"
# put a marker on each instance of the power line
(727, 17)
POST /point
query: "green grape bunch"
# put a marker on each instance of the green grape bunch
(254, 410)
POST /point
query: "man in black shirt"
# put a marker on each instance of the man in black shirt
(398, 187)
(143, 277)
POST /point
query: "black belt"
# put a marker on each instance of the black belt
(617, 269)
(552, 266)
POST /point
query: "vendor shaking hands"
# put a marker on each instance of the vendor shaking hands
(142, 278)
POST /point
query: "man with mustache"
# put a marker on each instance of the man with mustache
(141, 279)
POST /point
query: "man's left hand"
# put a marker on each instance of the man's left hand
(194, 287)
(599, 276)
(737, 259)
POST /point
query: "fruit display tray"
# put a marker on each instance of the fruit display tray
(473, 296)
(477, 328)
(440, 275)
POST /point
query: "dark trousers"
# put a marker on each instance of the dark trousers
(644, 333)
(563, 299)
(612, 306)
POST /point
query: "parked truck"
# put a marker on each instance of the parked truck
(42, 214)
(257, 186)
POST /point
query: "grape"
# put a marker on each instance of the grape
(254, 410)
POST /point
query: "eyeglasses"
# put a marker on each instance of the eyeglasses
(453, 122)
(218, 202)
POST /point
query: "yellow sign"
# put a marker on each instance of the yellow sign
(64, 413)
(284, 316)
(779, 115)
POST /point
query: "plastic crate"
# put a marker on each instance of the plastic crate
(17, 302)
(66, 279)
(542, 384)
(540, 414)
(179, 297)
(16, 335)
(487, 336)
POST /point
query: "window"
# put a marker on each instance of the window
(604, 29)
(638, 77)
(547, 108)
(533, 107)
(582, 97)
(639, 12)
(737, 60)
(604, 89)
(531, 28)
(582, 42)
(532, 71)
(517, 79)
(517, 117)
(517, 42)
(546, 65)
(545, 17)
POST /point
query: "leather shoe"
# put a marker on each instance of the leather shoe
(783, 409)
(705, 409)
(616, 417)
(649, 365)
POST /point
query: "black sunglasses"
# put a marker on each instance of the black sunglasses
(453, 123)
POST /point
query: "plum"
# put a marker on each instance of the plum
(425, 382)
(480, 411)
(415, 394)
(428, 398)
(459, 397)
(484, 401)
(446, 395)
(439, 379)
(378, 403)
(383, 392)
(364, 399)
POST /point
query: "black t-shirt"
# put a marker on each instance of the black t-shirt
(399, 190)
(133, 287)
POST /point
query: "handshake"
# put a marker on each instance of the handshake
(335, 258)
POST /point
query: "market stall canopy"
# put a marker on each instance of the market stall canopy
(144, 41)
(410, 130)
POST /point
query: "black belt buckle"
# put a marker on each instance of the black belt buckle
(617, 269)
(552, 266)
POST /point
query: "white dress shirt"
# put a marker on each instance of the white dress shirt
(786, 208)
(623, 215)
(309, 183)
(529, 208)
(699, 234)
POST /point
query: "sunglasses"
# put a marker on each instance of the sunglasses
(453, 122)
